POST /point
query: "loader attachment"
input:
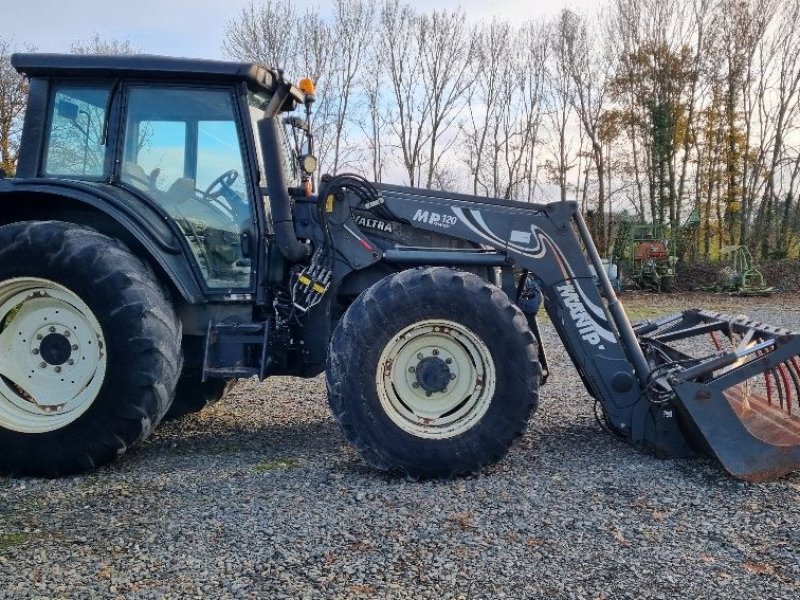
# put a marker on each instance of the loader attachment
(740, 402)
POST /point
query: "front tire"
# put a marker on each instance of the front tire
(89, 349)
(433, 373)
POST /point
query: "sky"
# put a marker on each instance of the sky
(192, 27)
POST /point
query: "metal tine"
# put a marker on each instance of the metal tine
(783, 369)
(746, 338)
(649, 326)
(794, 371)
(724, 360)
(778, 381)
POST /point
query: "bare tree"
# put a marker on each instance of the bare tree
(13, 95)
(781, 108)
(590, 68)
(99, 45)
(265, 32)
(400, 54)
(373, 120)
(447, 48)
(351, 19)
(560, 93)
(485, 100)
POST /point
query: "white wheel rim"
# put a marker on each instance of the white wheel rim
(52, 356)
(418, 404)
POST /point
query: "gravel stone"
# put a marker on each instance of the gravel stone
(260, 497)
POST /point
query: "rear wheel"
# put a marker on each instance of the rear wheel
(433, 373)
(89, 349)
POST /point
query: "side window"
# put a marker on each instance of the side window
(75, 144)
(161, 155)
(183, 149)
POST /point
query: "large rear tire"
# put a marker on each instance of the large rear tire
(89, 349)
(433, 373)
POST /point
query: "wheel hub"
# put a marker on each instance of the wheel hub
(55, 349)
(433, 374)
(52, 355)
(435, 379)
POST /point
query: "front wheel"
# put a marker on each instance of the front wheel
(433, 373)
(89, 349)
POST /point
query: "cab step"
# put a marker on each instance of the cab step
(236, 350)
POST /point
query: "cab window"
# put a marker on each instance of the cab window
(75, 137)
(182, 148)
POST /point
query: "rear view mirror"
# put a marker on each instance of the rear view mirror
(67, 110)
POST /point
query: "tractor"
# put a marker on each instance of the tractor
(646, 257)
(165, 235)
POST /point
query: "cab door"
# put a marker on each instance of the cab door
(183, 148)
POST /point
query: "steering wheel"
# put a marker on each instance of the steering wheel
(225, 180)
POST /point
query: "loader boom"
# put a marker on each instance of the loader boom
(648, 391)
(552, 244)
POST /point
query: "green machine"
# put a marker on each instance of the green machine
(741, 277)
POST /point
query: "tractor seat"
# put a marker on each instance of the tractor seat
(135, 175)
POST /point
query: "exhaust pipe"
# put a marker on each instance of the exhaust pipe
(280, 202)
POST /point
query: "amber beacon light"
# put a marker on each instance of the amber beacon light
(306, 86)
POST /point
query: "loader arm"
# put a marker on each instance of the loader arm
(552, 243)
(669, 400)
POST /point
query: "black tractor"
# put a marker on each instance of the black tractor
(165, 235)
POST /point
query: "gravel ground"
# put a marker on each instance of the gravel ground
(260, 497)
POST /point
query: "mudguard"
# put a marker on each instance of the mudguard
(143, 223)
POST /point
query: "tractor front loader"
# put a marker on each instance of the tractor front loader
(163, 238)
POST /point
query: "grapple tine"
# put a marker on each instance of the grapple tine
(751, 425)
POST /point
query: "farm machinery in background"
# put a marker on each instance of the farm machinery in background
(741, 277)
(644, 255)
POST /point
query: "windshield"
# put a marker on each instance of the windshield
(257, 103)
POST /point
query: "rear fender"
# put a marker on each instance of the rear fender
(119, 215)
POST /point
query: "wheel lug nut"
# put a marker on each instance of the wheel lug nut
(74, 346)
(70, 362)
(428, 394)
(42, 365)
(52, 329)
(39, 336)
(66, 333)
(449, 361)
(35, 351)
(58, 369)
(420, 356)
(435, 352)
(412, 369)
(415, 385)
(452, 376)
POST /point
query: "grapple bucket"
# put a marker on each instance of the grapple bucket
(741, 402)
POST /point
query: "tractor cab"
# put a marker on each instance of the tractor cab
(181, 135)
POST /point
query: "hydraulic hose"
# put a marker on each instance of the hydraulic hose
(280, 202)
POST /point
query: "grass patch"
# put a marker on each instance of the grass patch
(642, 313)
(13, 539)
(280, 464)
